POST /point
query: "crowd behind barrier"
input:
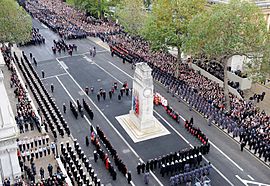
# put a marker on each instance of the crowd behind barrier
(203, 94)
(216, 70)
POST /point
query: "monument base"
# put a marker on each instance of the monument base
(138, 135)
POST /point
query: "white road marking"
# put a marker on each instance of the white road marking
(233, 162)
(73, 55)
(102, 51)
(53, 76)
(134, 152)
(247, 182)
(63, 65)
(251, 178)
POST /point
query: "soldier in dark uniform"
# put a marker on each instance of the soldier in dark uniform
(110, 94)
(42, 73)
(95, 156)
(86, 141)
(143, 167)
(98, 97)
(64, 108)
(242, 145)
(87, 90)
(94, 52)
(104, 95)
(139, 168)
(52, 88)
(35, 62)
(129, 177)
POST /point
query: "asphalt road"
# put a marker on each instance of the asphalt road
(71, 74)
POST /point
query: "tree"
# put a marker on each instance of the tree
(95, 7)
(225, 30)
(16, 24)
(258, 69)
(166, 26)
(131, 15)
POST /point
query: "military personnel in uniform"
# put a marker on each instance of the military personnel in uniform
(42, 74)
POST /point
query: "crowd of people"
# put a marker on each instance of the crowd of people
(61, 45)
(29, 149)
(96, 140)
(68, 22)
(205, 95)
(216, 70)
(36, 38)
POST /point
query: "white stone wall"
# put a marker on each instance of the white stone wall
(143, 80)
(8, 133)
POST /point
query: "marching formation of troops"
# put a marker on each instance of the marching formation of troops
(193, 175)
(255, 136)
(77, 165)
(105, 158)
(62, 46)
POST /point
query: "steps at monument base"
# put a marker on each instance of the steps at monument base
(138, 135)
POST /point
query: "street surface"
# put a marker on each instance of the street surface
(70, 75)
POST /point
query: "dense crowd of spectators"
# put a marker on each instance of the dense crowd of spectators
(68, 22)
(71, 23)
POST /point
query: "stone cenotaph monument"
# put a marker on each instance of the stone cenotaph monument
(140, 123)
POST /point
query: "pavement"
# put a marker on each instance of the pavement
(70, 74)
